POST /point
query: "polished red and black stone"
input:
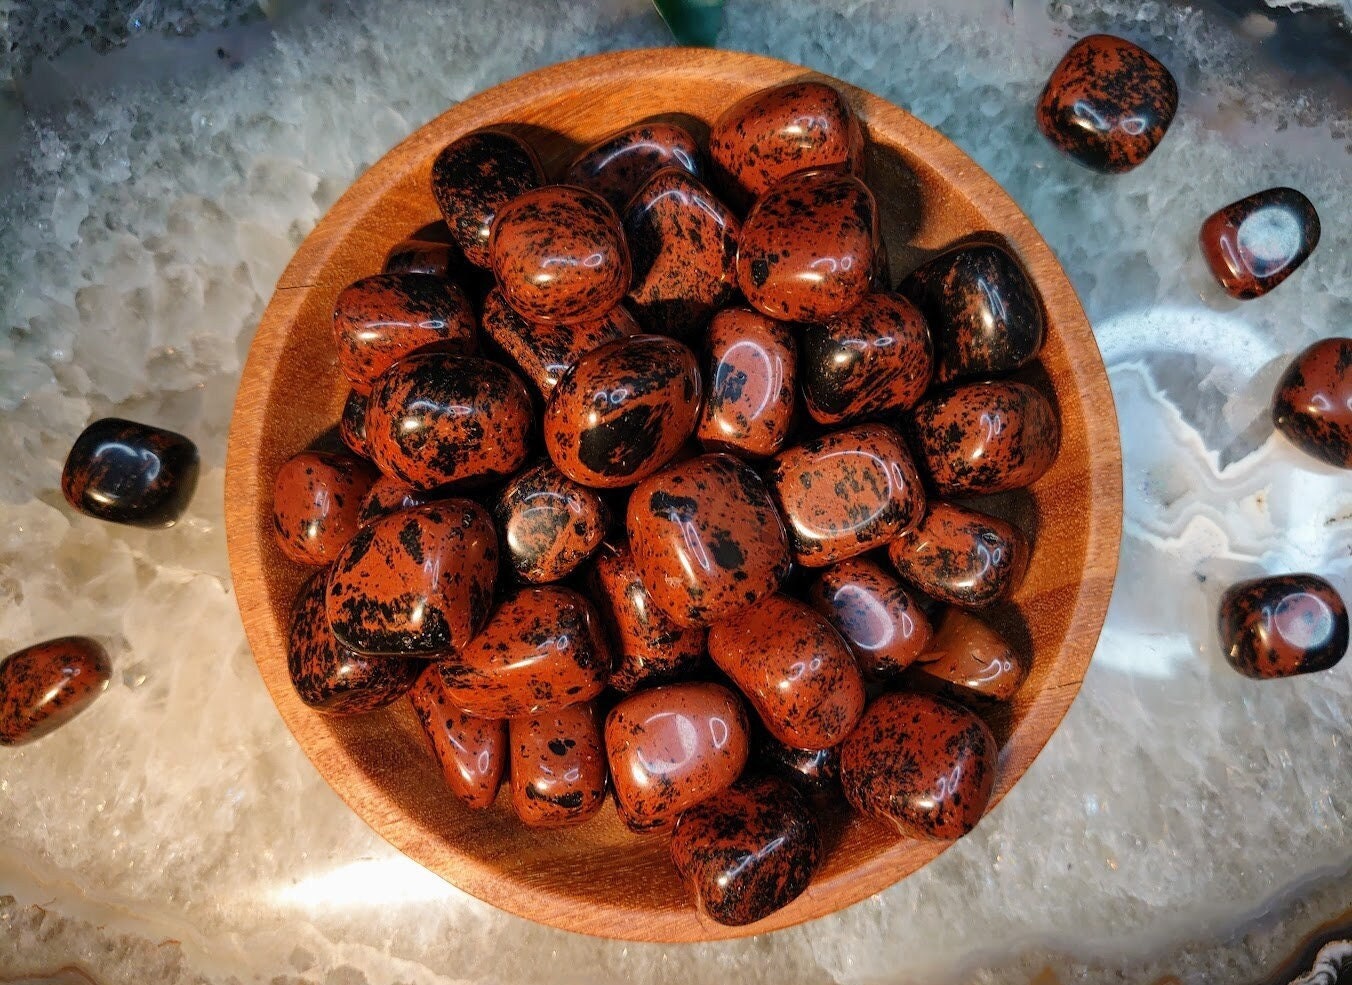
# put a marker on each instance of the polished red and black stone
(474, 177)
(44, 686)
(1256, 243)
(1283, 625)
(131, 473)
(1312, 405)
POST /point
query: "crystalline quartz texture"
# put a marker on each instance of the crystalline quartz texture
(141, 237)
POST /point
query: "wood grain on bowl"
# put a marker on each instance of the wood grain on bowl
(598, 877)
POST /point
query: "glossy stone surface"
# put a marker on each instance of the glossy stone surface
(388, 495)
(624, 411)
(983, 313)
(419, 256)
(131, 473)
(436, 418)
(752, 368)
(545, 351)
(417, 582)
(617, 166)
(45, 685)
(472, 752)
(874, 613)
(542, 648)
(961, 556)
(548, 524)
(379, 320)
(1107, 104)
(845, 493)
(1283, 625)
(352, 423)
(316, 504)
(815, 773)
(648, 648)
(1312, 405)
(333, 678)
(558, 766)
(806, 252)
(683, 242)
(559, 255)
(967, 658)
(795, 669)
(920, 763)
(1256, 243)
(747, 851)
(474, 177)
(779, 131)
(985, 438)
(707, 539)
(672, 746)
(873, 359)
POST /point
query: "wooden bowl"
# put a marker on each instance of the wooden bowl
(598, 878)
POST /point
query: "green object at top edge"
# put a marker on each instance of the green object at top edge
(692, 22)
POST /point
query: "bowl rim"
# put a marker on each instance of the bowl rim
(244, 485)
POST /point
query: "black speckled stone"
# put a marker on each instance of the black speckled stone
(130, 473)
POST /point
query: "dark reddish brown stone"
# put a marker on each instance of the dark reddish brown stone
(752, 369)
(474, 177)
(558, 766)
(747, 851)
(794, 668)
(379, 320)
(623, 411)
(648, 647)
(617, 166)
(541, 649)
(316, 504)
(872, 611)
(45, 685)
(472, 752)
(548, 523)
(845, 493)
(670, 747)
(983, 314)
(1312, 405)
(815, 773)
(779, 131)
(1256, 243)
(968, 658)
(706, 538)
(684, 247)
(920, 763)
(1283, 625)
(806, 251)
(418, 582)
(545, 351)
(559, 255)
(332, 678)
(960, 556)
(985, 438)
(435, 419)
(1107, 104)
(875, 358)
(417, 256)
(125, 472)
(388, 495)
(352, 425)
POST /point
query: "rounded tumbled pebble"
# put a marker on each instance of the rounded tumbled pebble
(920, 763)
(623, 411)
(389, 495)
(316, 504)
(795, 669)
(1283, 625)
(436, 418)
(1256, 243)
(558, 766)
(131, 473)
(45, 685)
(618, 165)
(969, 658)
(1312, 405)
(961, 556)
(472, 752)
(474, 177)
(330, 677)
(548, 524)
(672, 746)
(417, 582)
(883, 626)
(418, 256)
(752, 372)
(815, 773)
(559, 255)
(747, 851)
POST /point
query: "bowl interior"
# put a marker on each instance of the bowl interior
(598, 878)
